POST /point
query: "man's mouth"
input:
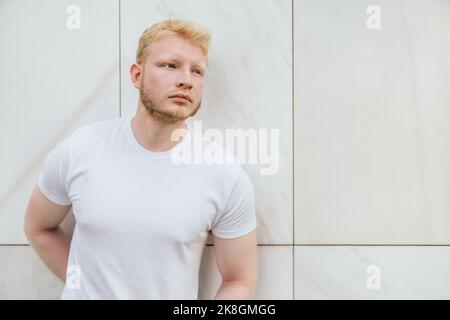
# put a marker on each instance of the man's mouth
(182, 96)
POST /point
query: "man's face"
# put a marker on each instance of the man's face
(172, 80)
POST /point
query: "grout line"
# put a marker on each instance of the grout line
(296, 245)
(346, 245)
(293, 148)
(369, 245)
(120, 60)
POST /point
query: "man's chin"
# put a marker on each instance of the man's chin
(167, 117)
(172, 112)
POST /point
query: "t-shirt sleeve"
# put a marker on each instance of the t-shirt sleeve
(238, 217)
(52, 180)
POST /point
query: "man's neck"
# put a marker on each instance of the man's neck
(153, 134)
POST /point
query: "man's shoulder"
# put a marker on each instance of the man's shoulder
(95, 131)
(97, 128)
(90, 137)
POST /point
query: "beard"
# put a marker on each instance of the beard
(162, 113)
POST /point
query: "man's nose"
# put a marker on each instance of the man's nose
(184, 80)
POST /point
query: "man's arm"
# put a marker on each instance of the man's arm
(237, 262)
(42, 228)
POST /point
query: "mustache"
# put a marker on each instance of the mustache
(160, 112)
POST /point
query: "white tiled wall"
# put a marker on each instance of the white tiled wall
(24, 276)
(52, 81)
(372, 162)
(372, 272)
(372, 127)
(364, 163)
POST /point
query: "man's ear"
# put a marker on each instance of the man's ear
(136, 75)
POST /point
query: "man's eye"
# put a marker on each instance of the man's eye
(198, 71)
(169, 65)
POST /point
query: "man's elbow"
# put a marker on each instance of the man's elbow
(27, 228)
(30, 232)
(244, 288)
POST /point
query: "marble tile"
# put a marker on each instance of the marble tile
(372, 163)
(274, 274)
(248, 85)
(362, 272)
(24, 276)
(53, 80)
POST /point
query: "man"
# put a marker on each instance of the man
(141, 220)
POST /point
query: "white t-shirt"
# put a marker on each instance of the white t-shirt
(142, 220)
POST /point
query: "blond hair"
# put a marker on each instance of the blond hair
(195, 33)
